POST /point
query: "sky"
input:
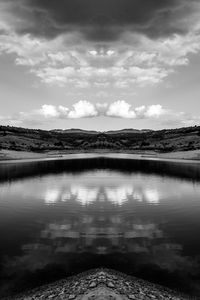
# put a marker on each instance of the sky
(100, 64)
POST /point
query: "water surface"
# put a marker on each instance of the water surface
(59, 218)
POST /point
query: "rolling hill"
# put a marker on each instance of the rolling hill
(36, 140)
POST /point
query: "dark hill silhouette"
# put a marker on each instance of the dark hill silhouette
(166, 140)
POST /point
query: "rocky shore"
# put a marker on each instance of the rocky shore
(101, 284)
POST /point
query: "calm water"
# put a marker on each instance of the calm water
(58, 218)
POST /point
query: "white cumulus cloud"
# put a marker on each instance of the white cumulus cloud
(51, 111)
(86, 109)
(83, 109)
(122, 109)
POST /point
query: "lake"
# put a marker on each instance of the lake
(61, 217)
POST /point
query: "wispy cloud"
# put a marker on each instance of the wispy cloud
(136, 59)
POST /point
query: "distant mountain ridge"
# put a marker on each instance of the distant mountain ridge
(73, 130)
(128, 130)
(16, 138)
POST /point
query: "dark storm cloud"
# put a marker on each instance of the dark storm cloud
(102, 19)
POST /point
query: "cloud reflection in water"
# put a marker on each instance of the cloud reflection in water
(77, 220)
(118, 195)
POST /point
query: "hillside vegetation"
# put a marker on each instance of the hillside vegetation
(168, 140)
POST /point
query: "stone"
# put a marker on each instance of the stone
(102, 285)
(110, 284)
(71, 297)
(132, 297)
(92, 284)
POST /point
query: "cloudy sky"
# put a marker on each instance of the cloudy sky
(100, 64)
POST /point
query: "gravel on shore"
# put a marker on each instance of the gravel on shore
(101, 284)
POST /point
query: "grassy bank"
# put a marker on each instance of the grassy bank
(19, 155)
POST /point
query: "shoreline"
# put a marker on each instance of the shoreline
(101, 284)
(11, 155)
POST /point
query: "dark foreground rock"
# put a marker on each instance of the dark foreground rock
(101, 284)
